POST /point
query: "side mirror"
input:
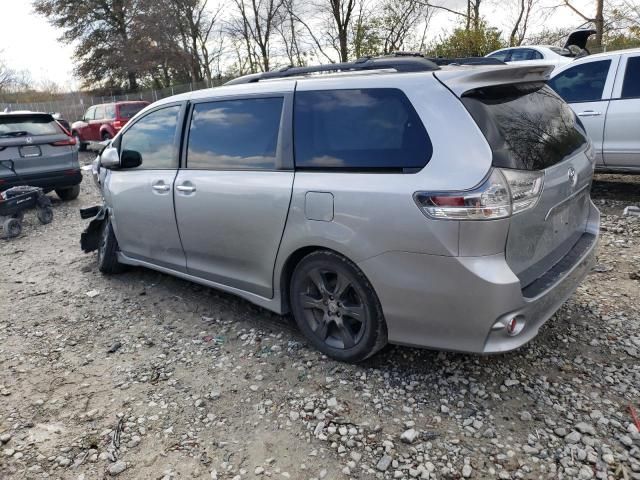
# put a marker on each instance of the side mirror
(130, 159)
(109, 158)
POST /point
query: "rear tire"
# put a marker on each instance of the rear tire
(81, 146)
(106, 136)
(108, 250)
(12, 227)
(68, 194)
(336, 307)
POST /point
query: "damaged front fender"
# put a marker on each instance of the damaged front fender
(90, 237)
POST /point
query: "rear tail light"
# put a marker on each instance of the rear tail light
(66, 142)
(503, 193)
(117, 124)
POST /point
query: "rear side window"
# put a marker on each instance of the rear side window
(128, 110)
(631, 85)
(582, 83)
(502, 55)
(527, 125)
(366, 129)
(110, 111)
(522, 54)
(235, 134)
(99, 112)
(25, 125)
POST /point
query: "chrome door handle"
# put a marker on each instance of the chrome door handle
(589, 113)
(161, 187)
(186, 188)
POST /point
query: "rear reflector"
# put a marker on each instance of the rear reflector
(71, 172)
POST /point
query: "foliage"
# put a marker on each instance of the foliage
(468, 43)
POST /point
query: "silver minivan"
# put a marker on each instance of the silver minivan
(385, 200)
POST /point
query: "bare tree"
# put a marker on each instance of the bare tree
(7, 77)
(471, 16)
(521, 23)
(597, 19)
(291, 31)
(255, 24)
(399, 19)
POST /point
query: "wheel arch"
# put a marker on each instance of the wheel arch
(289, 265)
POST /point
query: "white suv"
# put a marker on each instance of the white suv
(604, 91)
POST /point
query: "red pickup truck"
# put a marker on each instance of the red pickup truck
(101, 122)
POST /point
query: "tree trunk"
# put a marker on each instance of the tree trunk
(133, 83)
(599, 23)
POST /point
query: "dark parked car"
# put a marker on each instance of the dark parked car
(102, 122)
(35, 150)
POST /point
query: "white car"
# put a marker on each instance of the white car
(549, 54)
(604, 92)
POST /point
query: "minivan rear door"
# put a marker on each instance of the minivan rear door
(233, 197)
(530, 128)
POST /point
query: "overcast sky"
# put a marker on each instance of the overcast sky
(28, 42)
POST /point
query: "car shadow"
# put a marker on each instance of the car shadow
(623, 188)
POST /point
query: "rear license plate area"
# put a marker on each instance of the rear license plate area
(30, 151)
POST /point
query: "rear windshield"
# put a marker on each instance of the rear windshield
(128, 110)
(18, 126)
(528, 126)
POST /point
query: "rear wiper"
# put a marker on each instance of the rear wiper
(17, 133)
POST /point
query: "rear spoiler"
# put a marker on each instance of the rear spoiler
(462, 79)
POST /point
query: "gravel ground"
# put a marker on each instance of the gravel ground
(144, 376)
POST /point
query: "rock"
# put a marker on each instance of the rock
(332, 402)
(92, 293)
(114, 347)
(5, 437)
(466, 471)
(626, 440)
(511, 383)
(384, 463)
(117, 468)
(573, 437)
(409, 436)
(259, 471)
(525, 416)
(293, 415)
(583, 427)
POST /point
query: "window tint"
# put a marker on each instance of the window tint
(16, 126)
(99, 112)
(501, 55)
(358, 129)
(128, 110)
(235, 134)
(110, 111)
(527, 125)
(631, 85)
(90, 113)
(521, 54)
(582, 83)
(153, 137)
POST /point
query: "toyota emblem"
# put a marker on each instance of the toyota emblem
(573, 177)
(29, 140)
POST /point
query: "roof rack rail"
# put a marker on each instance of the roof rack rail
(466, 61)
(400, 62)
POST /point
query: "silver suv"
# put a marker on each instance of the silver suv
(388, 200)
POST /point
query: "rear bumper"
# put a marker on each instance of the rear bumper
(47, 181)
(453, 303)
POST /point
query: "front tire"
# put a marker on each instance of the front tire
(336, 307)
(68, 194)
(12, 227)
(108, 250)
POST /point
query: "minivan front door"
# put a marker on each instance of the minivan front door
(233, 197)
(622, 130)
(587, 88)
(141, 199)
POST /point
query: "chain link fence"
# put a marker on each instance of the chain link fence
(71, 106)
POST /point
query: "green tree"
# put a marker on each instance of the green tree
(468, 43)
